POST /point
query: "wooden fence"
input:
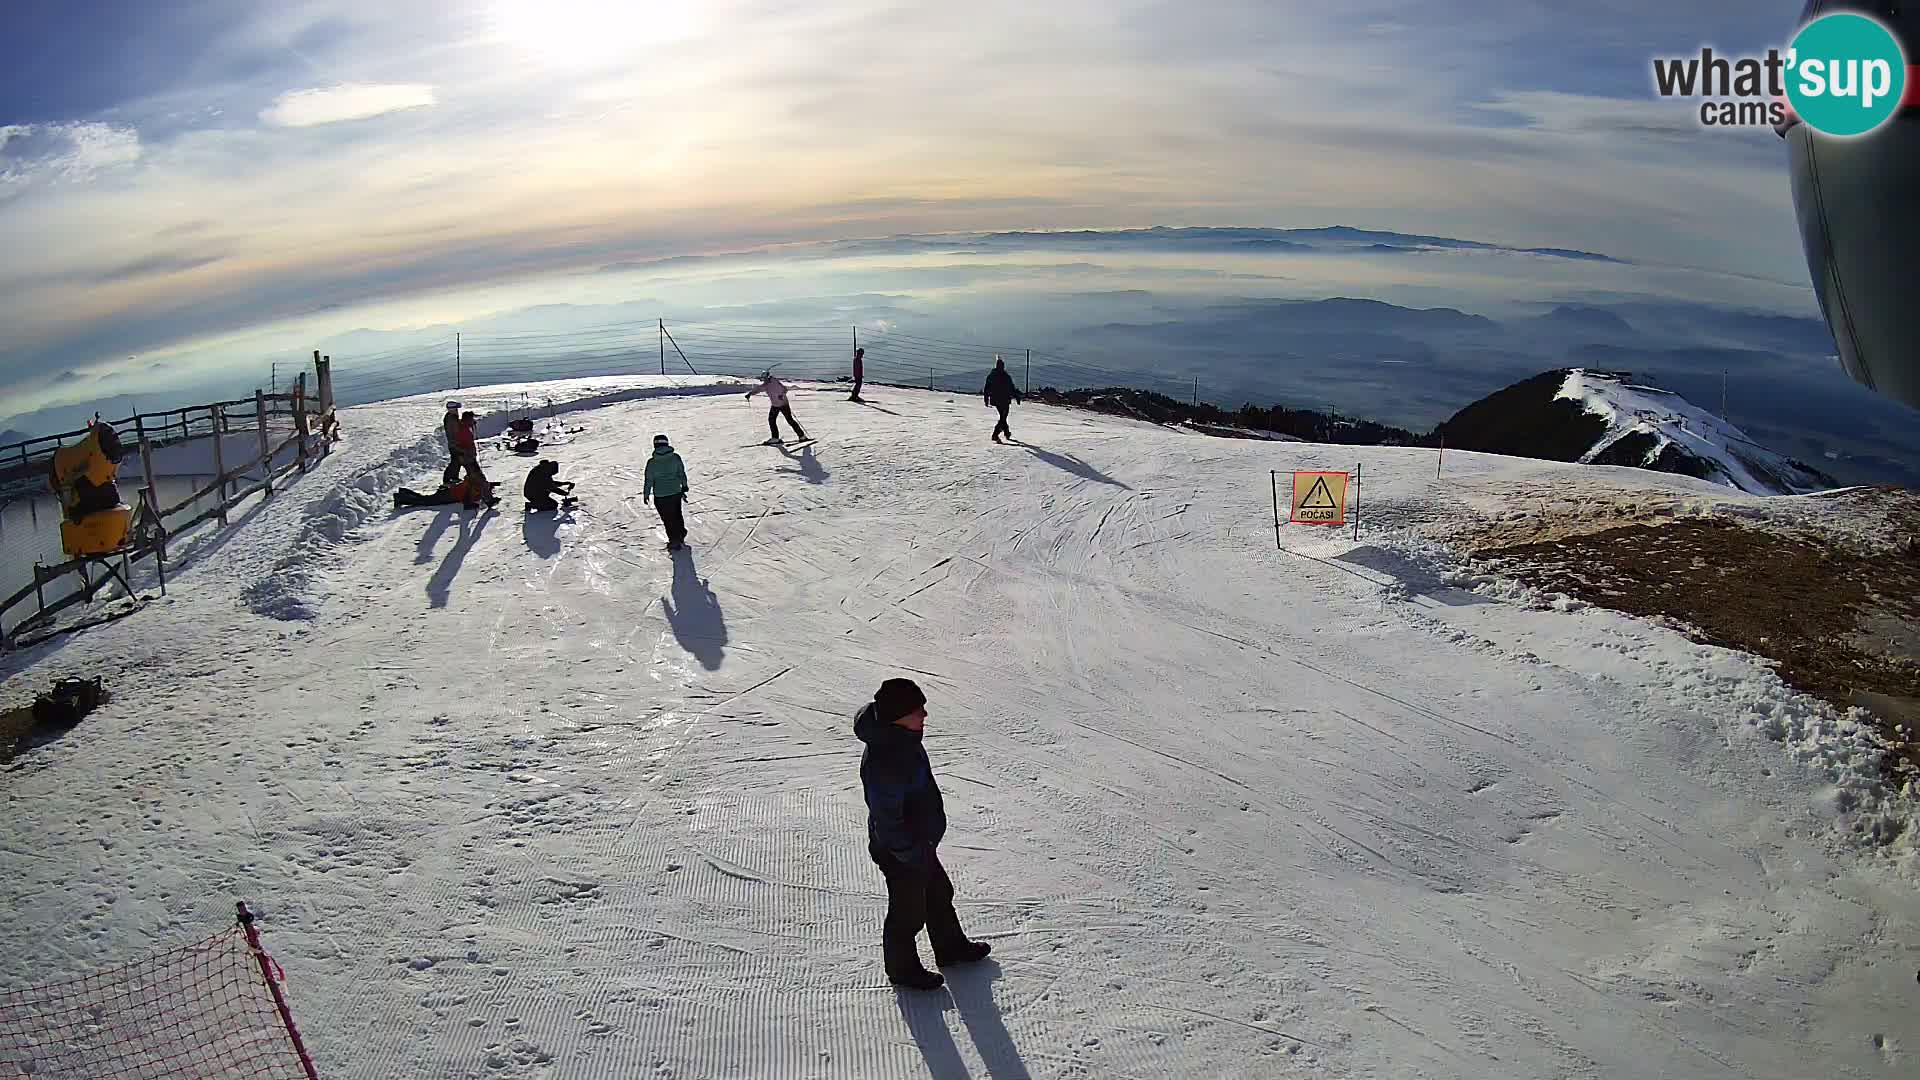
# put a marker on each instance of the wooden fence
(148, 535)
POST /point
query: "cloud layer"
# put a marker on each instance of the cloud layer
(337, 104)
(229, 164)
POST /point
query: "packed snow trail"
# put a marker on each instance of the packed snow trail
(533, 797)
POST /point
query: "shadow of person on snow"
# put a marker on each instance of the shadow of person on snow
(541, 531)
(972, 988)
(876, 408)
(424, 554)
(1073, 465)
(970, 991)
(926, 1018)
(440, 586)
(810, 468)
(694, 613)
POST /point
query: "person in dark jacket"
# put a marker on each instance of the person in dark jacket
(543, 483)
(450, 423)
(1001, 393)
(906, 820)
(859, 372)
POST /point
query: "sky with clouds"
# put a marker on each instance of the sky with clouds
(183, 170)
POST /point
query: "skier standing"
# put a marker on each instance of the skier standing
(776, 392)
(666, 488)
(906, 820)
(859, 372)
(451, 424)
(467, 456)
(1001, 394)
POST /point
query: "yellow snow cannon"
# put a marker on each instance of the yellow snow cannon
(82, 475)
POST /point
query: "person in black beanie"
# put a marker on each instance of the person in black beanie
(905, 822)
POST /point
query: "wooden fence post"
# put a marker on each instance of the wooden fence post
(300, 416)
(266, 447)
(146, 454)
(219, 414)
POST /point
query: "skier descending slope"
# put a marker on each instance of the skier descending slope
(776, 392)
(906, 820)
(1000, 394)
(666, 488)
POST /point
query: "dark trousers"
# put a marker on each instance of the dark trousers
(669, 507)
(857, 379)
(773, 416)
(452, 472)
(915, 899)
(540, 503)
(1001, 428)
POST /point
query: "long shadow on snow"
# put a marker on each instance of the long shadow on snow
(441, 585)
(1073, 465)
(423, 554)
(877, 408)
(541, 531)
(694, 613)
(970, 990)
(1419, 579)
(810, 468)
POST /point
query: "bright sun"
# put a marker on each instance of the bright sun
(583, 32)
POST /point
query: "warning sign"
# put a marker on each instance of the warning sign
(1319, 498)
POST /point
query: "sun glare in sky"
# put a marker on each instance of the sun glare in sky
(588, 32)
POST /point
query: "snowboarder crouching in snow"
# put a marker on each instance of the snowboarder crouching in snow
(666, 488)
(776, 392)
(1001, 394)
(906, 820)
(543, 483)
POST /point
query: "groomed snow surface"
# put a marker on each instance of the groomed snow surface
(524, 798)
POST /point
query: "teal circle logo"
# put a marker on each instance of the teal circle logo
(1846, 74)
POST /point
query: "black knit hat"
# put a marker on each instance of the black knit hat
(897, 698)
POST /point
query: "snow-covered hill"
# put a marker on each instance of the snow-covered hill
(1605, 418)
(521, 797)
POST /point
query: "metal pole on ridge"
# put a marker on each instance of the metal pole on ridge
(662, 325)
(1356, 501)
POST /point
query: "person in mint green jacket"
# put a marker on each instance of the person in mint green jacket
(666, 488)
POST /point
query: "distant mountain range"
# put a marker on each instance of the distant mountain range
(1605, 418)
(1568, 414)
(1336, 239)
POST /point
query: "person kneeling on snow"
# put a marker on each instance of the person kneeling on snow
(543, 483)
(906, 820)
(666, 488)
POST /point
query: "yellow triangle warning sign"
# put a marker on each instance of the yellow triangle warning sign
(1319, 498)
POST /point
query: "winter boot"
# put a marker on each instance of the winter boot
(971, 953)
(904, 967)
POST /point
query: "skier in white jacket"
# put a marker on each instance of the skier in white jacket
(776, 392)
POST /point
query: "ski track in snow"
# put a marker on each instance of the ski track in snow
(533, 798)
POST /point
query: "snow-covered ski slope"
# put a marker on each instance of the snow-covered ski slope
(518, 798)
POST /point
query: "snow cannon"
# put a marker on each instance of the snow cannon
(82, 476)
(1859, 221)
